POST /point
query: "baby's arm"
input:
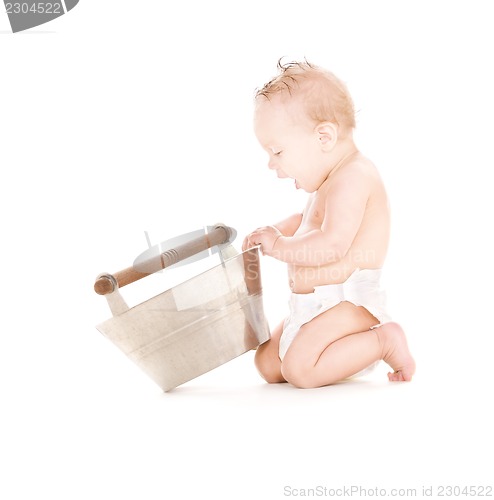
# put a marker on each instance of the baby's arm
(289, 226)
(286, 227)
(344, 210)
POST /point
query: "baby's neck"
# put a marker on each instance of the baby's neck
(342, 152)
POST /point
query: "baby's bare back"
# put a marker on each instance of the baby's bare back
(366, 248)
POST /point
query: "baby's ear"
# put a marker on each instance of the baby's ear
(327, 134)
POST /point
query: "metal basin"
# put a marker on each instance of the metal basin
(195, 326)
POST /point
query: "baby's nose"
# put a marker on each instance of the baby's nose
(272, 164)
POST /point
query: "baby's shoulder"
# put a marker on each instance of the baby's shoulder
(360, 165)
(356, 172)
(357, 180)
(360, 171)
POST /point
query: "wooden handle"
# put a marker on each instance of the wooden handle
(106, 283)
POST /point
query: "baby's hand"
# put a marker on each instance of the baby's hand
(264, 236)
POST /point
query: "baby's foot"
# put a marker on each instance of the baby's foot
(395, 352)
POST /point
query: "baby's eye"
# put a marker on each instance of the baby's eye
(278, 153)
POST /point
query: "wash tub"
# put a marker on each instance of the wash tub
(195, 326)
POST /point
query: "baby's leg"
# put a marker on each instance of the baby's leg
(338, 344)
(267, 357)
(395, 352)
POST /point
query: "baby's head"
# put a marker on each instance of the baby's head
(304, 119)
(323, 96)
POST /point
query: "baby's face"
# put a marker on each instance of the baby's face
(290, 139)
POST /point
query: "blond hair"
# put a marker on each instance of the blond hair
(326, 97)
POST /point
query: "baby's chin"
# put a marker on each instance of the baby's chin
(304, 188)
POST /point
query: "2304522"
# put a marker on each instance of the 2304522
(35, 8)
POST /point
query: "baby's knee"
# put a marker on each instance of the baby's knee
(297, 375)
(268, 370)
(271, 376)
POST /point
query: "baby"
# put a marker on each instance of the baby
(335, 248)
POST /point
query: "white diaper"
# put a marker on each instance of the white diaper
(361, 288)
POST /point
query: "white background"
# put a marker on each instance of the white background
(123, 117)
